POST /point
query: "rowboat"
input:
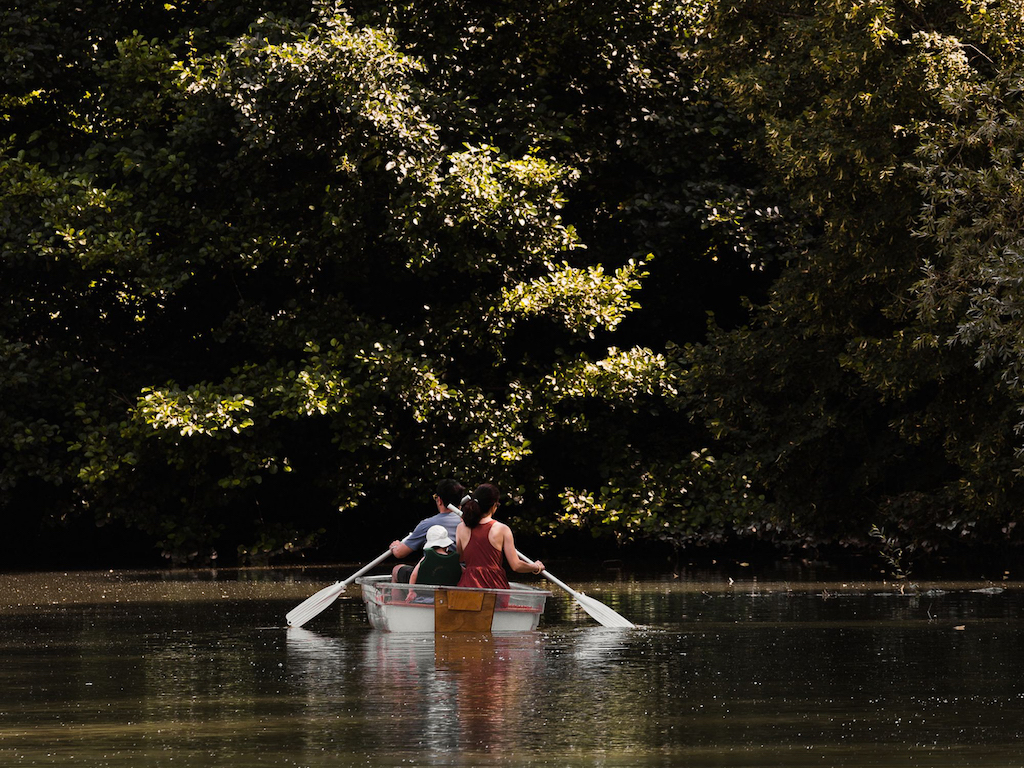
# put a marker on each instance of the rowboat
(393, 607)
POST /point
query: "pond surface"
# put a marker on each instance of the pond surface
(180, 668)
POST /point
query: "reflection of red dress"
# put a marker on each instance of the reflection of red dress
(484, 563)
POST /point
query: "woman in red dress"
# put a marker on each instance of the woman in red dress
(482, 541)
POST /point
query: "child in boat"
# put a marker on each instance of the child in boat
(482, 541)
(438, 566)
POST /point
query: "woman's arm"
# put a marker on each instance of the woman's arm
(461, 538)
(514, 562)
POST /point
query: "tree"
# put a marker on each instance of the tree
(840, 397)
(260, 258)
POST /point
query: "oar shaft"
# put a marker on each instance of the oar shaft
(548, 576)
(383, 556)
(598, 610)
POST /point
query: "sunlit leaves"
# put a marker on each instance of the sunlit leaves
(291, 82)
(681, 501)
(199, 411)
(624, 376)
(581, 299)
(469, 208)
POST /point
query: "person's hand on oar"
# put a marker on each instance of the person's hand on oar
(486, 544)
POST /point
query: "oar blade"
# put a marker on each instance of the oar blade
(318, 603)
(601, 613)
(315, 605)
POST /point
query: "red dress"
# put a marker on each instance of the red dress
(484, 564)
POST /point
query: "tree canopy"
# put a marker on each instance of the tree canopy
(683, 272)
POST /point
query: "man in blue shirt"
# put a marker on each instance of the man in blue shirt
(448, 492)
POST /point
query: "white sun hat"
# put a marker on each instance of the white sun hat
(437, 536)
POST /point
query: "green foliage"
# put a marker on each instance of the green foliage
(970, 178)
(270, 246)
(681, 502)
(581, 299)
(254, 253)
(848, 396)
(894, 555)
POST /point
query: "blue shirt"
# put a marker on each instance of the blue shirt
(418, 537)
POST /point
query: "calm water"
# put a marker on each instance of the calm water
(166, 669)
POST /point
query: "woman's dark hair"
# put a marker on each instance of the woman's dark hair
(484, 497)
(450, 491)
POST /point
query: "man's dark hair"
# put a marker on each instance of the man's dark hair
(450, 491)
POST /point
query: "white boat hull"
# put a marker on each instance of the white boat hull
(391, 608)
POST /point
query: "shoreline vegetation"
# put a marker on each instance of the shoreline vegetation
(573, 553)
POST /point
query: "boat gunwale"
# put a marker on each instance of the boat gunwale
(521, 589)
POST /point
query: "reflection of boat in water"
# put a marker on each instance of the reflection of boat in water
(447, 699)
(425, 608)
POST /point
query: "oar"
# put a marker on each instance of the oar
(318, 603)
(604, 615)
